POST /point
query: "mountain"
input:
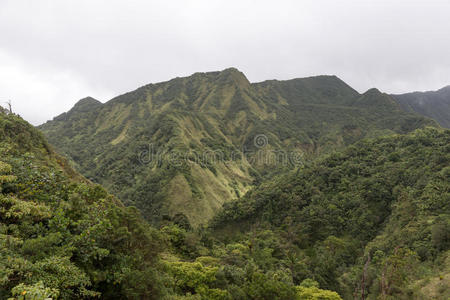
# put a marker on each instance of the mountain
(370, 222)
(182, 148)
(434, 104)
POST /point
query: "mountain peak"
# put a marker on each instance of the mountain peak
(234, 76)
(85, 104)
(227, 76)
(231, 70)
(376, 99)
(87, 101)
(373, 91)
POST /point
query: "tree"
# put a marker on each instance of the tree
(36, 291)
(309, 290)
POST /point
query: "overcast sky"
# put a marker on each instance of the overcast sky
(53, 53)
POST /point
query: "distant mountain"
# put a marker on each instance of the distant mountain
(182, 148)
(435, 104)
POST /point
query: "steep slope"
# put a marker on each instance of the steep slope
(153, 143)
(62, 236)
(435, 104)
(184, 147)
(372, 221)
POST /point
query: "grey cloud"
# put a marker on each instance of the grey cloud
(54, 52)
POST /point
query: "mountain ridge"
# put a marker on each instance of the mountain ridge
(222, 113)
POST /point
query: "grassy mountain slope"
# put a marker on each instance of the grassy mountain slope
(184, 147)
(434, 104)
(371, 220)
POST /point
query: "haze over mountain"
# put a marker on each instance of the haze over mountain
(153, 147)
(433, 104)
(396, 46)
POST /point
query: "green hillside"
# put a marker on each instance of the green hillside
(62, 236)
(372, 221)
(182, 148)
(434, 104)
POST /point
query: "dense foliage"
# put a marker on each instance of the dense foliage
(372, 221)
(186, 146)
(61, 236)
